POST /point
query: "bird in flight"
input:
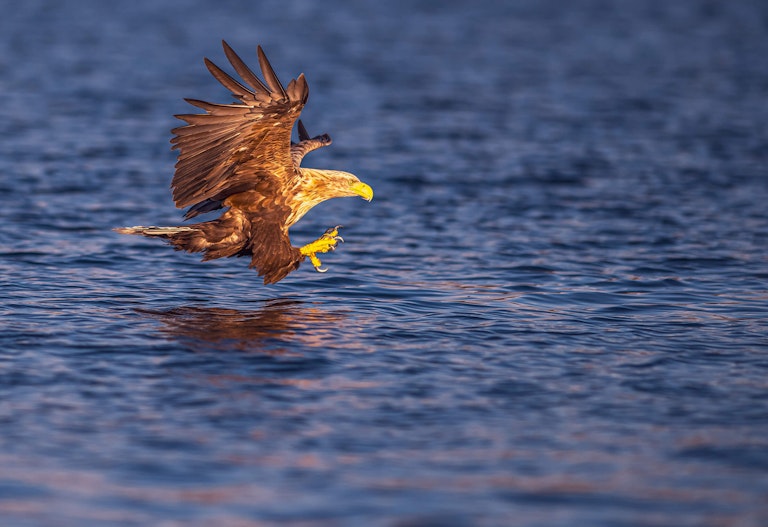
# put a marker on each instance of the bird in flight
(240, 157)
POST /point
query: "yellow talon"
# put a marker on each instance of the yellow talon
(326, 242)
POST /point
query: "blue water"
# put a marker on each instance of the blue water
(553, 313)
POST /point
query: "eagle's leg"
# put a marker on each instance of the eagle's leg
(326, 242)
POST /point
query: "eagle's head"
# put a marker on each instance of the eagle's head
(318, 185)
(338, 184)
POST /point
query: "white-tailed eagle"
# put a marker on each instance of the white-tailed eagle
(240, 157)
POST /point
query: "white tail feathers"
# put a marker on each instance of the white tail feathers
(153, 231)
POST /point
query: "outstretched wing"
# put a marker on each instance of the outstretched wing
(306, 144)
(231, 147)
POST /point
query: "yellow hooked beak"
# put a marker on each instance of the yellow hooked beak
(362, 190)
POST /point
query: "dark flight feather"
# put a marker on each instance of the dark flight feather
(269, 74)
(243, 70)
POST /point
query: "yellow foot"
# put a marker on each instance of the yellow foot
(326, 242)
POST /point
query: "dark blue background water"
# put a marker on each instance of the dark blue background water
(553, 313)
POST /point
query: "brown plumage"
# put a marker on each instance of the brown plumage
(240, 156)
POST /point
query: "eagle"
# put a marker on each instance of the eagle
(240, 157)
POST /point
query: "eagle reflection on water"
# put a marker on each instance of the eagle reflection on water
(270, 329)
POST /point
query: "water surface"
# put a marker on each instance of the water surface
(552, 314)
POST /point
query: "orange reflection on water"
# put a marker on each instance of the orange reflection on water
(278, 327)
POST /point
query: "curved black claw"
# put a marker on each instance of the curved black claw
(329, 231)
